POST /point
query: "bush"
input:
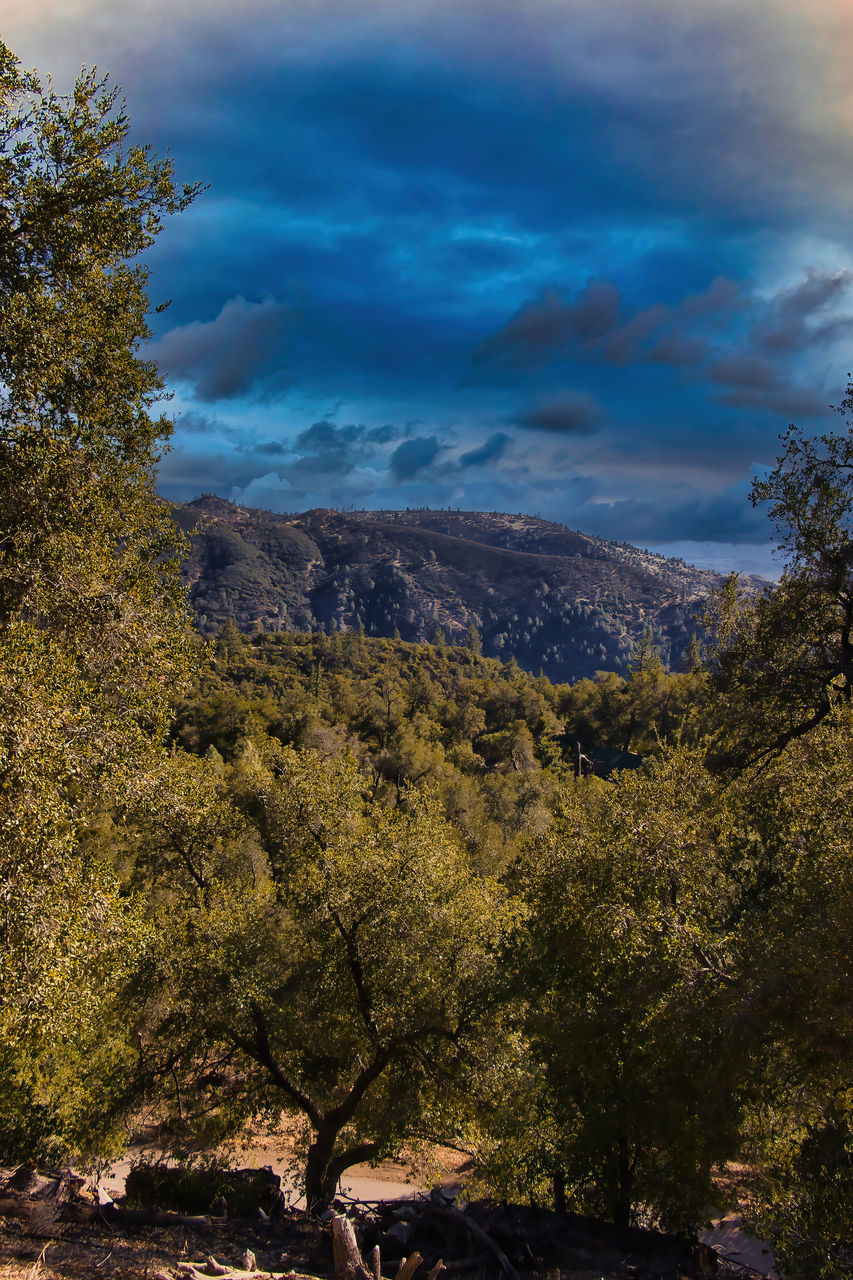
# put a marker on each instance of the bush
(196, 1186)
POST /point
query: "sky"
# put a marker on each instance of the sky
(578, 260)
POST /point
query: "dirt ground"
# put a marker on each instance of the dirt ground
(80, 1253)
(295, 1244)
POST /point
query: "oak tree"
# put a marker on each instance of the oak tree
(91, 615)
(785, 659)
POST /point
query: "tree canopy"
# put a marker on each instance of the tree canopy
(92, 630)
(337, 958)
(784, 660)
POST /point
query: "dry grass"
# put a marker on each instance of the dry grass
(26, 1270)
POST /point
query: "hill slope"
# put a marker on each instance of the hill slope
(554, 599)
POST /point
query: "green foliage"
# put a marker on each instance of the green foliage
(91, 624)
(482, 734)
(649, 709)
(195, 1186)
(783, 661)
(797, 845)
(808, 1214)
(631, 955)
(341, 960)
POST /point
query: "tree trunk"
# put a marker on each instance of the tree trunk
(320, 1180)
(559, 1185)
(323, 1168)
(623, 1189)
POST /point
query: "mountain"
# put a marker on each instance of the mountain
(556, 600)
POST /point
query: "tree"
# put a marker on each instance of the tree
(91, 614)
(350, 975)
(796, 818)
(784, 660)
(631, 966)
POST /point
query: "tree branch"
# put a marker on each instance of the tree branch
(344, 1112)
(362, 993)
(260, 1049)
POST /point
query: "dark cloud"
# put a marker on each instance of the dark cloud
(327, 435)
(384, 434)
(798, 318)
(721, 295)
(544, 326)
(223, 358)
(675, 348)
(328, 449)
(412, 456)
(185, 473)
(668, 516)
(567, 413)
(753, 381)
(584, 184)
(596, 327)
(489, 451)
(194, 422)
(555, 109)
(736, 343)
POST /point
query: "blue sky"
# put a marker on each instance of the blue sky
(579, 260)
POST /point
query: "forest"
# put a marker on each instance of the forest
(360, 882)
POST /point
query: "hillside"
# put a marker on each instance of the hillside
(554, 599)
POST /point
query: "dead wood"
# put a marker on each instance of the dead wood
(205, 1270)
(119, 1217)
(349, 1264)
(462, 1219)
(408, 1267)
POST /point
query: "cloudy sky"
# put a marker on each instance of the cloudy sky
(582, 260)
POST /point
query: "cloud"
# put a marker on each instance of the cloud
(621, 199)
(596, 326)
(668, 515)
(384, 434)
(328, 435)
(737, 344)
(185, 473)
(544, 326)
(489, 451)
(327, 449)
(567, 413)
(225, 357)
(799, 317)
(413, 456)
(194, 422)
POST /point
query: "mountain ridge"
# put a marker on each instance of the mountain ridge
(555, 599)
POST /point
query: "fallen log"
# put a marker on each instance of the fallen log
(42, 1201)
(119, 1217)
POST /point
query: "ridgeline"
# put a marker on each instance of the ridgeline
(557, 601)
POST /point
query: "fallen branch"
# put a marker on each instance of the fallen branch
(462, 1219)
(205, 1270)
